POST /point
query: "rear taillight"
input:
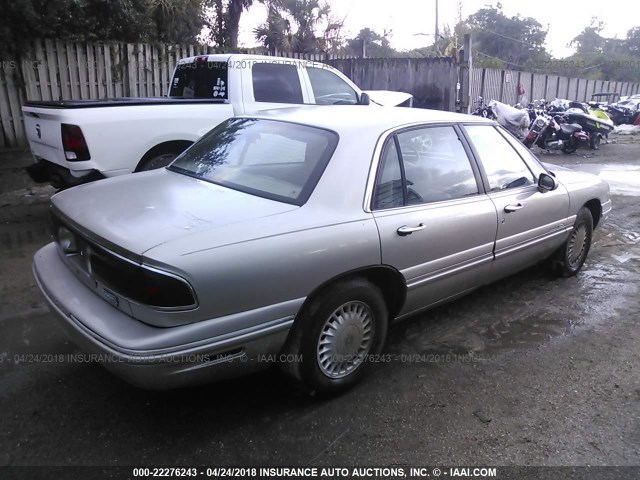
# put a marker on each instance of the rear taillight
(74, 144)
(140, 284)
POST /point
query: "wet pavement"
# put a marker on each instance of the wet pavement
(532, 370)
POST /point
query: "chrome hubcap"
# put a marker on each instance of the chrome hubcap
(345, 339)
(577, 245)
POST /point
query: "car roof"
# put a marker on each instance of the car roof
(343, 117)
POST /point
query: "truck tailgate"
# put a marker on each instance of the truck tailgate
(43, 131)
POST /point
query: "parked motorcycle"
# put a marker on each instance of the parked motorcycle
(551, 133)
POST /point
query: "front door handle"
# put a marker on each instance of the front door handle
(513, 208)
(407, 230)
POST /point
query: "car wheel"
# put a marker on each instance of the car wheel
(570, 257)
(337, 333)
(158, 161)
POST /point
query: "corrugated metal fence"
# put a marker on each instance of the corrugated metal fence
(502, 85)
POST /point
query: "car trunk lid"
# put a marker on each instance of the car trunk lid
(141, 211)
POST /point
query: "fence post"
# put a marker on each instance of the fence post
(466, 69)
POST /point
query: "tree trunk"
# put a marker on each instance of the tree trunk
(234, 11)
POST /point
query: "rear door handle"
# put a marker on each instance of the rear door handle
(513, 208)
(407, 230)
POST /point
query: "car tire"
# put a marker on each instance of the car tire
(335, 336)
(570, 257)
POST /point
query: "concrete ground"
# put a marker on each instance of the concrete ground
(532, 370)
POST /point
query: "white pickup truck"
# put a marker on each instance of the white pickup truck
(75, 141)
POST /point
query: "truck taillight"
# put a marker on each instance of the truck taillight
(74, 144)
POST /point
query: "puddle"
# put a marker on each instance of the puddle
(623, 179)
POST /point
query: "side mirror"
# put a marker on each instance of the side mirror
(364, 99)
(546, 183)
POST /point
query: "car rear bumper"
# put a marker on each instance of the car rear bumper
(203, 361)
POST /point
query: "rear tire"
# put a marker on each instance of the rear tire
(335, 335)
(568, 148)
(570, 257)
(157, 161)
(162, 155)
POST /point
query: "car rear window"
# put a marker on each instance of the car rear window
(277, 160)
(200, 80)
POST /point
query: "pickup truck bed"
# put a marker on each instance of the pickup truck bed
(123, 102)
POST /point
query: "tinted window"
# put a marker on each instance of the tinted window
(277, 160)
(388, 192)
(503, 166)
(436, 168)
(200, 80)
(276, 83)
(329, 89)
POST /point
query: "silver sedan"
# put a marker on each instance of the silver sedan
(296, 237)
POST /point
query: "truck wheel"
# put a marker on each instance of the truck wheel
(158, 161)
(162, 155)
(336, 334)
(569, 258)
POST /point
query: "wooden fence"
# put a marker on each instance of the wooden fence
(53, 70)
(502, 85)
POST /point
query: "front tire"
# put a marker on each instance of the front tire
(570, 257)
(335, 335)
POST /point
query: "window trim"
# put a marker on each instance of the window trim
(485, 177)
(375, 170)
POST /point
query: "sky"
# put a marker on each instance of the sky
(410, 20)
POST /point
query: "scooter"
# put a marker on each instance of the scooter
(484, 110)
(596, 127)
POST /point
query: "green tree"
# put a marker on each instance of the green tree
(376, 45)
(172, 21)
(515, 42)
(589, 41)
(293, 25)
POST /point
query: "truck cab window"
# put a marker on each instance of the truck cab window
(276, 83)
(330, 89)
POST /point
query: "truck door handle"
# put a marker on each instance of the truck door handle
(513, 208)
(406, 230)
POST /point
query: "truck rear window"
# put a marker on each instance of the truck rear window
(200, 80)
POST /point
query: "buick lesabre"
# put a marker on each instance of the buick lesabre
(300, 234)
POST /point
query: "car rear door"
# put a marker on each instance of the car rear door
(436, 225)
(531, 224)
